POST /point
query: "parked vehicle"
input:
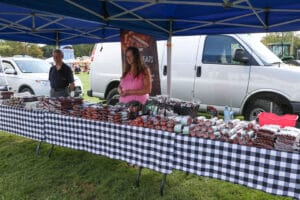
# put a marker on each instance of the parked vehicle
(27, 74)
(218, 70)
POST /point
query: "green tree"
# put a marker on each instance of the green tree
(79, 50)
(283, 37)
(6, 50)
(11, 48)
(17, 48)
(35, 51)
(83, 49)
(47, 50)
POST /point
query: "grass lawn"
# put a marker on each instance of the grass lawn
(85, 80)
(71, 174)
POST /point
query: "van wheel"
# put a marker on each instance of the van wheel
(261, 105)
(27, 89)
(113, 97)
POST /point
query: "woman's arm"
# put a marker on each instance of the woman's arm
(120, 89)
(147, 86)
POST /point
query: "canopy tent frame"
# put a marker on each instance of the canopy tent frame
(225, 4)
(49, 27)
(132, 11)
(16, 25)
(230, 13)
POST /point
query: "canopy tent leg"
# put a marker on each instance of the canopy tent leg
(50, 151)
(169, 60)
(137, 181)
(163, 184)
(37, 151)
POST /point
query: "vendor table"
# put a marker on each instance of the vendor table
(22, 122)
(272, 171)
(147, 148)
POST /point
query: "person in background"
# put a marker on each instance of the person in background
(135, 84)
(60, 76)
(77, 69)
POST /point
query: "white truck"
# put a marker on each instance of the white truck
(217, 70)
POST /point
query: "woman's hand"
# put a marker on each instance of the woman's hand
(122, 92)
(125, 93)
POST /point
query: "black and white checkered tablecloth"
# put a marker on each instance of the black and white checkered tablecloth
(272, 171)
(147, 148)
(22, 122)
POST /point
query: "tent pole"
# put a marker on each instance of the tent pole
(56, 40)
(169, 56)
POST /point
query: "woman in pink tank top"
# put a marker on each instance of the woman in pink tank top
(135, 82)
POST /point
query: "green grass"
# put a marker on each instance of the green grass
(85, 80)
(71, 174)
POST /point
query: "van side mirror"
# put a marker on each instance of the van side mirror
(10, 71)
(240, 56)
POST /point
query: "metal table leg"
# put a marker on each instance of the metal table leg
(50, 151)
(137, 180)
(37, 151)
(163, 184)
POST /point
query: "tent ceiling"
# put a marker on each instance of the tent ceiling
(162, 17)
(29, 25)
(81, 21)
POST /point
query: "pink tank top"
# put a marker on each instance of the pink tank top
(131, 83)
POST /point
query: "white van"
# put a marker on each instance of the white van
(218, 70)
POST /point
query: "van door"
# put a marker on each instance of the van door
(184, 54)
(221, 80)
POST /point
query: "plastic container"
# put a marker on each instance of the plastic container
(228, 114)
(266, 118)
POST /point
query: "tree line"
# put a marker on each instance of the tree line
(11, 48)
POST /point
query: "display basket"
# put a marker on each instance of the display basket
(266, 118)
(178, 106)
(190, 109)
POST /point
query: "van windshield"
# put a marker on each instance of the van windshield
(264, 54)
(33, 66)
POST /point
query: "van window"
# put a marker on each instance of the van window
(264, 54)
(220, 49)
